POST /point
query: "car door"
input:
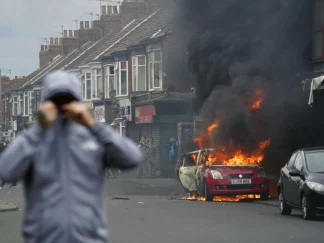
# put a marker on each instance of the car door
(295, 181)
(201, 167)
(285, 183)
(187, 172)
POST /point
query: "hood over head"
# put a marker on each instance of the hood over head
(61, 83)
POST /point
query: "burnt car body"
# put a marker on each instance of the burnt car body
(301, 183)
(220, 180)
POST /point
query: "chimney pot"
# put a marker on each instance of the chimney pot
(42, 47)
(81, 25)
(61, 41)
(75, 33)
(70, 33)
(87, 24)
(51, 41)
(16, 77)
(103, 10)
(56, 41)
(65, 33)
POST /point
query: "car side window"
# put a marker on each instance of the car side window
(298, 162)
(203, 159)
(291, 161)
(189, 160)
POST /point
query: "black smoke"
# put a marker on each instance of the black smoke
(235, 47)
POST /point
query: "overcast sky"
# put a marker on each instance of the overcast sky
(24, 23)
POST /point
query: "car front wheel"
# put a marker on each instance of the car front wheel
(284, 208)
(309, 211)
(207, 195)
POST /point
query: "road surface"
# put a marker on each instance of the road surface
(150, 215)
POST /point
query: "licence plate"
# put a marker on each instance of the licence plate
(241, 181)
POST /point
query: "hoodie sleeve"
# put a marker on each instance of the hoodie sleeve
(119, 152)
(16, 159)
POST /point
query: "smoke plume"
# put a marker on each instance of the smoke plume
(237, 50)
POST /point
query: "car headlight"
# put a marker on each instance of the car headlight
(317, 187)
(216, 174)
(261, 174)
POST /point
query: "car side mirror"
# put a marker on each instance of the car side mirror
(295, 172)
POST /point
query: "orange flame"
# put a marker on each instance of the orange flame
(259, 99)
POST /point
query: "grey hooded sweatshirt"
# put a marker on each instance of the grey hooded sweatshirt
(62, 170)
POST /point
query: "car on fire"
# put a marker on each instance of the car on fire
(301, 183)
(208, 181)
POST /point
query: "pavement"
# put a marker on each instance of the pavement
(143, 211)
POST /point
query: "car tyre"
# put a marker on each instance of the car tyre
(308, 209)
(207, 195)
(284, 208)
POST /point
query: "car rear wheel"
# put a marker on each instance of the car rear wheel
(207, 195)
(284, 208)
(309, 211)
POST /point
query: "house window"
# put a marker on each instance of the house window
(121, 78)
(318, 29)
(155, 69)
(15, 106)
(26, 104)
(31, 102)
(21, 106)
(110, 80)
(99, 90)
(37, 99)
(139, 73)
(88, 86)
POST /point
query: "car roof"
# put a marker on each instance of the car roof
(312, 149)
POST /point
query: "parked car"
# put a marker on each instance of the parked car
(221, 180)
(301, 183)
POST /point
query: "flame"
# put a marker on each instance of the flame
(259, 94)
(235, 198)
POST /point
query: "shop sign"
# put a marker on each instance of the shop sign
(144, 114)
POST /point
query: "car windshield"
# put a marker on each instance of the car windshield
(315, 161)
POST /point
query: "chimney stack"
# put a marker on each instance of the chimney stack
(110, 9)
(51, 41)
(81, 25)
(65, 33)
(42, 48)
(75, 33)
(70, 33)
(103, 10)
(87, 24)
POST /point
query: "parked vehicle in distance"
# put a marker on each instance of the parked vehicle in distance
(221, 180)
(301, 183)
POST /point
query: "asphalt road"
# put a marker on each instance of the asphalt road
(150, 215)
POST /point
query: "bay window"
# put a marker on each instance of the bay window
(139, 73)
(99, 90)
(110, 80)
(155, 69)
(121, 77)
(26, 104)
(15, 106)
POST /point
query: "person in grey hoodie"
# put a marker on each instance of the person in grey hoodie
(61, 161)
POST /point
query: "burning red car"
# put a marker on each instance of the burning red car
(217, 182)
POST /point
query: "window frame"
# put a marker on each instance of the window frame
(118, 77)
(31, 96)
(151, 69)
(108, 75)
(26, 108)
(318, 28)
(86, 79)
(135, 66)
(98, 73)
(15, 104)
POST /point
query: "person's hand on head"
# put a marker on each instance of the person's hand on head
(79, 113)
(47, 114)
